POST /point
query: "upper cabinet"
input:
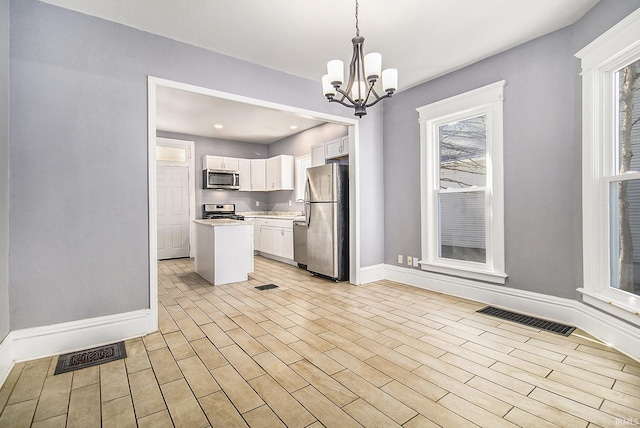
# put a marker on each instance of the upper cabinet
(244, 166)
(280, 173)
(258, 175)
(337, 148)
(219, 162)
(318, 155)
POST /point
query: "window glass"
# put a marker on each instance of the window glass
(463, 151)
(628, 132)
(462, 226)
(171, 154)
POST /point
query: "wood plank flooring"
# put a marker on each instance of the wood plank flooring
(314, 353)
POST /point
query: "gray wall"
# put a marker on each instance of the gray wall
(4, 168)
(78, 156)
(542, 155)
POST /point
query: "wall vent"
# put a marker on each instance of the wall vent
(545, 325)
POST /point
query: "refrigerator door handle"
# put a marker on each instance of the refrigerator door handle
(307, 204)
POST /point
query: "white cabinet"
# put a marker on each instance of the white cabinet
(337, 148)
(274, 237)
(258, 174)
(219, 162)
(280, 173)
(317, 155)
(244, 166)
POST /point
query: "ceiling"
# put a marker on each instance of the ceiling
(423, 39)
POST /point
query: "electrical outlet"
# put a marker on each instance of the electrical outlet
(289, 203)
(415, 262)
(400, 258)
(257, 203)
(410, 260)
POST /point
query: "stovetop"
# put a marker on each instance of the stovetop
(220, 211)
(229, 216)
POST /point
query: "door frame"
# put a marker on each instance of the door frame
(354, 177)
(191, 164)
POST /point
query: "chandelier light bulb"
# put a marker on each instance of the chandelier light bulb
(373, 65)
(359, 91)
(327, 88)
(390, 80)
(335, 70)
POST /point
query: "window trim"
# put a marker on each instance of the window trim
(600, 60)
(485, 100)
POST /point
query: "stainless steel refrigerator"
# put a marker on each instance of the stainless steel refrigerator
(327, 216)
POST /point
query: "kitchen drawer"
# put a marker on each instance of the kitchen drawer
(285, 223)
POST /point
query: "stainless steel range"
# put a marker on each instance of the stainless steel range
(220, 211)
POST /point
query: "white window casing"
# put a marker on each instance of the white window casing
(486, 102)
(600, 61)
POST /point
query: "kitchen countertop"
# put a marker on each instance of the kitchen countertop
(273, 214)
(220, 222)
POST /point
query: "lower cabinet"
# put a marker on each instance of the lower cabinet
(274, 237)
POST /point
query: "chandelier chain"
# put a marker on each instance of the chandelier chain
(357, 26)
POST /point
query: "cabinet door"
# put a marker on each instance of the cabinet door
(258, 175)
(317, 155)
(231, 164)
(212, 162)
(287, 243)
(268, 236)
(244, 166)
(333, 149)
(286, 172)
(344, 145)
(273, 170)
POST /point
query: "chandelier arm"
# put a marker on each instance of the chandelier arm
(352, 65)
(333, 100)
(345, 94)
(378, 100)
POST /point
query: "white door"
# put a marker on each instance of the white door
(173, 212)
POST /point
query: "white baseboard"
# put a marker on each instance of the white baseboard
(40, 342)
(613, 331)
(372, 273)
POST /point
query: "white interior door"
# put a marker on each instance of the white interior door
(173, 211)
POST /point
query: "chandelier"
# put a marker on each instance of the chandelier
(364, 71)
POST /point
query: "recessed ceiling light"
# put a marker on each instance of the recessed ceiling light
(218, 126)
(293, 127)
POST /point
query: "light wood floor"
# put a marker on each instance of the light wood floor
(313, 353)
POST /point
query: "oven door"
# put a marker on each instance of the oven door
(221, 179)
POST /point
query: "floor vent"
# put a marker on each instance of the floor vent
(553, 327)
(266, 287)
(90, 357)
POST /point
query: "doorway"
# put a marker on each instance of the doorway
(354, 203)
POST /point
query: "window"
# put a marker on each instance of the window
(611, 170)
(461, 190)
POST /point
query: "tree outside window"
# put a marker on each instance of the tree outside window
(625, 194)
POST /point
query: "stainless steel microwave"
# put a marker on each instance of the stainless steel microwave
(220, 179)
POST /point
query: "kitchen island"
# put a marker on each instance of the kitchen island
(224, 250)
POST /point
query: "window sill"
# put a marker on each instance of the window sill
(618, 309)
(465, 272)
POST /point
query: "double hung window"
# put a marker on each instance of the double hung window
(462, 201)
(611, 170)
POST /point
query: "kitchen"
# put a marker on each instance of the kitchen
(269, 157)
